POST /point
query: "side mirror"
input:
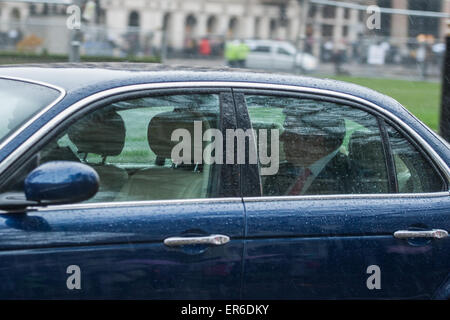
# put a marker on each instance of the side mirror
(59, 182)
(55, 182)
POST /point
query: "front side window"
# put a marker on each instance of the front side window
(20, 102)
(130, 144)
(324, 147)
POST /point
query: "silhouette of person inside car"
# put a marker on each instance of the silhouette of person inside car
(313, 134)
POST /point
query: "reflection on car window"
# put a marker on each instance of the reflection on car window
(325, 148)
(129, 144)
(20, 102)
(414, 173)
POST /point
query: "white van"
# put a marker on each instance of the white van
(278, 55)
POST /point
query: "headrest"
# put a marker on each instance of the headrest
(162, 126)
(366, 148)
(100, 133)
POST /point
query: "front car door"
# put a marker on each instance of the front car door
(322, 226)
(136, 238)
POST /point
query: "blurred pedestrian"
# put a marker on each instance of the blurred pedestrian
(231, 53)
(205, 47)
(242, 53)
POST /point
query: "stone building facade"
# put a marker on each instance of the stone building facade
(176, 21)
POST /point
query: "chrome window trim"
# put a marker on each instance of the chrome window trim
(211, 84)
(62, 94)
(122, 204)
(350, 196)
(146, 203)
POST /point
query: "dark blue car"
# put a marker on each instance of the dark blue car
(144, 181)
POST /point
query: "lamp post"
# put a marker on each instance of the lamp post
(445, 106)
(301, 35)
(75, 38)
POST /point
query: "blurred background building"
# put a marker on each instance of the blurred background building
(175, 28)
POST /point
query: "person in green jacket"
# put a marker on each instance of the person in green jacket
(231, 53)
(242, 52)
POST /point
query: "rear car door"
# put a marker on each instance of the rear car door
(138, 237)
(356, 209)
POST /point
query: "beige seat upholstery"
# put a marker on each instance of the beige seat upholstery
(163, 180)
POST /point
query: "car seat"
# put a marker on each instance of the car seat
(365, 150)
(165, 180)
(102, 133)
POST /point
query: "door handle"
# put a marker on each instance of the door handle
(214, 239)
(435, 234)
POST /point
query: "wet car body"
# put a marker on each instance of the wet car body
(314, 247)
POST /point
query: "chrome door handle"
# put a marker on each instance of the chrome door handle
(214, 239)
(435, 234)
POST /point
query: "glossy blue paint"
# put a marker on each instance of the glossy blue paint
(121, 253)
(61, 182)
(321, 248)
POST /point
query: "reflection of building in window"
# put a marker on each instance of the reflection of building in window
(424, 25)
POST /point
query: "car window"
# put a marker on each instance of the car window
(20, 102)
(261, 49)
(130, 144)
(414, 172)
(324, 147)
(283, 52)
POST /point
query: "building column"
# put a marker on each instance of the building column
(353, 27)
(152, 22)
(201, 28)
(247, 27)
(178, 30)
(4, 18)
(222, 24)
(399, 24)
(337, 32)
(264, 26)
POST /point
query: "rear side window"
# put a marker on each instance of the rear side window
(324, 147)
(414, 172)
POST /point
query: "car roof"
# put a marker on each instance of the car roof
(90, 78)
(84, 79)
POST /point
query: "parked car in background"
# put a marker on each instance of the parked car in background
(89, 182)
(279, 56)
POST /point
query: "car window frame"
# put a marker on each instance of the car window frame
(248, 175)
(224, 174)
(11, 160)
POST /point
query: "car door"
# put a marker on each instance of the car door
(260, 57)
(354, 230)
(157, 228)
(283, 59)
